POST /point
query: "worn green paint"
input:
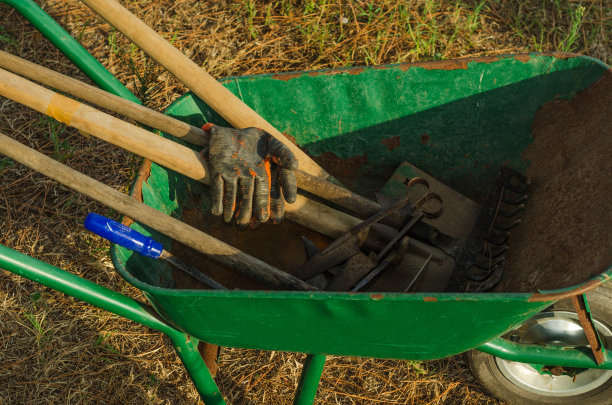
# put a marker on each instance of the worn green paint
(459, 125)
(476, 119)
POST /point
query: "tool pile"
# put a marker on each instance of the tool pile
(369, 238)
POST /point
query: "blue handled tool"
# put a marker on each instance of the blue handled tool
(131, 239)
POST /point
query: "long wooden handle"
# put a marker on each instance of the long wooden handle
(314, 185)
(103, 99)
(172, 227)
(224, 102)
(172, 155)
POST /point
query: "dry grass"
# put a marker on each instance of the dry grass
(54, 349)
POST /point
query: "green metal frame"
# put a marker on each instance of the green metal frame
(102, 297)
(185, 344)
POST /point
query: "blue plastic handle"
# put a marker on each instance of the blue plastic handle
(123, 236)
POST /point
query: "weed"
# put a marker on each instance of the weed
(5, 163)
(102, 344)
(250, 7)
(567, 44)
(143, 70)
(62, 149)
(417, 366)
(35, 297)
(152, 381)
(268, 21)
(41, 335)
(473, 21)
(7, 38)
(79, 37)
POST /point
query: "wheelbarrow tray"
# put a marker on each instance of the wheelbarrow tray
(457, 120)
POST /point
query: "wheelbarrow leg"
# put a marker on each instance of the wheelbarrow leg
(187, 349)
(309, 379)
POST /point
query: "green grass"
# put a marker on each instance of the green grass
(62, 149)
(377, 32)
(142, 70)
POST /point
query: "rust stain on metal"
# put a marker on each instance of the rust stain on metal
(430, 299)
(524, 57)
(331, 72)
(391, 142)
(451, 64)
(454, 64)
(355, 71)
(555, 296)
(287, 76)
(588, 327)
(376, 297)
(136, 193)
(425, 138)
(345, 170)
(487, 59)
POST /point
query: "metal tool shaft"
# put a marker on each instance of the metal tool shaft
(192, 271)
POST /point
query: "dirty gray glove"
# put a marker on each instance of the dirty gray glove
(251, 172)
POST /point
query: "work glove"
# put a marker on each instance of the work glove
(251, 172)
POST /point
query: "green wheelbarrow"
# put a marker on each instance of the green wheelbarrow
(458, 121)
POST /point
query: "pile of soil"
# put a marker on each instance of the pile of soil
(566, 234)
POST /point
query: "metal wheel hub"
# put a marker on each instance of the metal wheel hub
(560, 328)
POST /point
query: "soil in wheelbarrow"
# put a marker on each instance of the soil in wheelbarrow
(566, 233)
(277, 245)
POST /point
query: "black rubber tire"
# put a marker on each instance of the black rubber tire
(485, 369)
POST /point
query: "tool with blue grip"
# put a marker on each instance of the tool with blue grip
(131, 239)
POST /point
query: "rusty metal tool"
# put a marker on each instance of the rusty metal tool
(480, 257)
(346, 246)
(352, 249)
(415, 278)
(382, 259)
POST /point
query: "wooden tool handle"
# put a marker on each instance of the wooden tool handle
(172, 155)
(101, 98)
(314, 185)
(224, 102)
(172, 227)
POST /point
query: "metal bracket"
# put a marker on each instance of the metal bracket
(586, 321)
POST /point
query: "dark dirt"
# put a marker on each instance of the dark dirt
(278, 245)
(566, 234)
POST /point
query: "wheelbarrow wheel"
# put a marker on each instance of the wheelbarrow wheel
(522, 383)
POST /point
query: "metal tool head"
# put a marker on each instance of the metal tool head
(480, 258)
